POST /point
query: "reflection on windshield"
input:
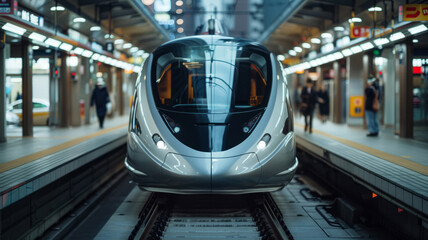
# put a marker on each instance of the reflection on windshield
(220, 79)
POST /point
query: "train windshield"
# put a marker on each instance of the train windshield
(223, 78)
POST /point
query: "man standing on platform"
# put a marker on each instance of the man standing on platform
(371, 107)
(100, 97)
(308, 100)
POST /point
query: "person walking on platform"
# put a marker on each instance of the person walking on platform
(100, 97)
(307, 104)
(371, 107)
(323, 103)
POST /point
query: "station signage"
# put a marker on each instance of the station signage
(356, 108)
(413, 12)
(8, 7)
(360, 31)
(31, 17)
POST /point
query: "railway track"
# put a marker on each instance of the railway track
(209, 217)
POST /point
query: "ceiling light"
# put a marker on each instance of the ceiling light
(79, 20)
(179, 3)
(338, 55)
(375, 9)
(148, 2)
(331, 57)
(280, 57)
(326, 35)
(66, 47)
(133, 49)
(96, 56)
(13, 28)
(95, 28)
(415, 40)
(87, 53)
(36, 47)
(180, 21)
(356, 49)
(108, 60)
(417, 29)
(127, 45)
(102, 58)
(57, 8)
(118, 41)
(107, 36)
(53, 42)
(140, 52)
(347, 52)
(315, 40)
(367, 46)
(292, 53)
(306, 45)
(396, 36)
(339, 29)
(37, 37)
(78, 51)
(381, 41)
(179, 11)
(298, 49)
(355, 19)
(114, 62)
(180, 30)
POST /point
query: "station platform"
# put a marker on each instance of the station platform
(392, 167)
(30, 163)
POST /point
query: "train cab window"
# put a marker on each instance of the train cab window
(218, 80)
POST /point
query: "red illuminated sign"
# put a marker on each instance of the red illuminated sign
(415, 12)
(357, 32)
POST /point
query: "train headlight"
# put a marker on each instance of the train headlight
(263, 142)
(159, 141)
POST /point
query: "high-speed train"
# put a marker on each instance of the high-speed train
(211, 114)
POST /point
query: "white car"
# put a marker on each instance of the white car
(40, 111)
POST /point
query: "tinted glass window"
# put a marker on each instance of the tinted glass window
(18, 106)
(38, 105)
(215, 79)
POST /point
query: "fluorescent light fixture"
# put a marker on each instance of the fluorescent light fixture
(118, 41)
(53, 42)
(87, 53)
(95, 28)
(96, 56)
(367, 46)
(306, 45)
(36, 47)
(136, 68)
(339, 29)
(114, 62)
(127, 45)
(179, 21)
(415, 40)
(396, 36)
(355, 19)
(108, 60)
(280, 57)
(133, 49)
(356, 49)
(57, 8)
(37, 37)
(102, 58)
(381, 41)
(331, 57)
(13, 28)
(298, 49)
(326, 35)
(107, 36)
(315, 40)
(140, 52)
(79, 20)
(418, 29)
(338, 55)
(375, 9)
(66, 47)
(78, 51)
(347, 52)
(292, 53)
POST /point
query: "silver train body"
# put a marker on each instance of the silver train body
(211, 114)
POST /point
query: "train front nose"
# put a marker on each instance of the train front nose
(211, 173)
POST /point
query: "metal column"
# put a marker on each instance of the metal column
(27, 88)
(367, 70)
(337, 95)
(120, 103)
(64, 93)
(2, 87)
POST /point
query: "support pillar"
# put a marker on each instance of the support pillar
(367, 70)
(120, 89)
(64, 94)
(27, 88)
(337, 95)
(354, 86)
(2, 87)
(404, 58)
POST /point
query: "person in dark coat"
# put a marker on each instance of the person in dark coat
(371, 92)
(308, 100)
(323, 103)
(100, 97)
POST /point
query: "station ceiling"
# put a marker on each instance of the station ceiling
(125, 19)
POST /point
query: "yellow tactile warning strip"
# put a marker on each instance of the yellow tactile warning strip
(422, 169)
(34, 156)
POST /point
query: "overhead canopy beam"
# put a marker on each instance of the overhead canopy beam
(118, 14)
(348, 3)
(316, 14)
(307, 23)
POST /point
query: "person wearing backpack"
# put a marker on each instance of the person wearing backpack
(371, 107)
